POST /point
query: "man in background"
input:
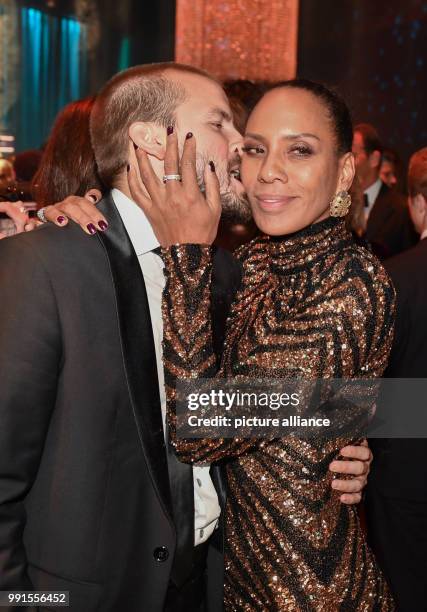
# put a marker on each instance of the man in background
(388, 225)
(396, 501)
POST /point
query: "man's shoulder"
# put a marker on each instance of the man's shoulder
(393, 198)
(227, 270)
(406, 266)
(49, 240)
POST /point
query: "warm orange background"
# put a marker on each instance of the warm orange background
(238, 39)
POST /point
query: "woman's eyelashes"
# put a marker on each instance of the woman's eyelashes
(301, 150)
(295, 150)
(253, 149)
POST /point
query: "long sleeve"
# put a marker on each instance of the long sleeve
(188, 351)
(30, 355)
(350, 328)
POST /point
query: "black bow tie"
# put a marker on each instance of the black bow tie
(366, 200)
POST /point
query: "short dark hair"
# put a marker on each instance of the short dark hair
(141, 93)
(370, 136)
(68, 164)
(337, 109)
(417, 173)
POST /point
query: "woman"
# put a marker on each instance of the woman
(68, 164)
(312, 304)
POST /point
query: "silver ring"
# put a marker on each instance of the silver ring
(40, 215)
(171, 177)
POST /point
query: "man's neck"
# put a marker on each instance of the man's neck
(122, 185)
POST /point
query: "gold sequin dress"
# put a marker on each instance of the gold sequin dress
(314, 303)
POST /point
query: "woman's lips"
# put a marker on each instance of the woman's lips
(273, 202)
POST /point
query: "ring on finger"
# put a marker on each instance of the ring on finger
(172, 177)
(41, 216)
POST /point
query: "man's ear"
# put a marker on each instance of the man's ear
(150, 137)
(375, 159)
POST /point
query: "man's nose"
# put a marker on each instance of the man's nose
(236, 143)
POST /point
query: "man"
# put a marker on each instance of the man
(396, 500)
(92, 500)
(388, 226)
(390, 167)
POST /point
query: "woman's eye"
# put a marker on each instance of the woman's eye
(253, 150)
(218, 126)
(301, 151)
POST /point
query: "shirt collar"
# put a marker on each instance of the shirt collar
(138, 227)
(373, 191)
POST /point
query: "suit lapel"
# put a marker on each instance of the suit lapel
(379, 214)
(138, 350)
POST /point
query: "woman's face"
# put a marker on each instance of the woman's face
(290, 168)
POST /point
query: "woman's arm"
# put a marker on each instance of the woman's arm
(188, 347)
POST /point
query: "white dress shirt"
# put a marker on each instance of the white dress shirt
(372, 193)
(423, 234)
(206, 505)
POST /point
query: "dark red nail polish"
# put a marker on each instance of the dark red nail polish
(91, 229)
(189, 135)
(128, 167)
(61, 219)
(212, 166)
(135, 146)
(169, 130)
(102, 225)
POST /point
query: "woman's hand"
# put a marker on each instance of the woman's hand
(18, 221)
(358, 468)
(177, 210)
(82, 211)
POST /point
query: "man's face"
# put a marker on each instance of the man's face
(361, 157)
(367, 164)
(207, 114)
(388, 173)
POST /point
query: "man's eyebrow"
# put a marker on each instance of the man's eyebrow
(286, 137)
(220, 112)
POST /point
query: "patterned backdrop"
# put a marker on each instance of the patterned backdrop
(246, 39)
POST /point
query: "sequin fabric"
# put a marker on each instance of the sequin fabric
(312, 304)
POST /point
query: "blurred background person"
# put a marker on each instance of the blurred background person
(396, 500)
(26, 164)
(7, 173)
(68, 164)
(391, 170)
(13, 215)
(388, 225)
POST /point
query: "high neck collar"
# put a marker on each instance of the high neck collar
(304, 247)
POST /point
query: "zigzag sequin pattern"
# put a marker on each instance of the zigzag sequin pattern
(311, 305)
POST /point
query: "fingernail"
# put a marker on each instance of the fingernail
(170, 130)
(61, 220)
(212, 166)
(102, 225)
(189, 135)
(91, 229)
(128, 167)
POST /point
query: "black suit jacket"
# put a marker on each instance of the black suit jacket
(393, 472)
(84, 492)
(389, 228)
